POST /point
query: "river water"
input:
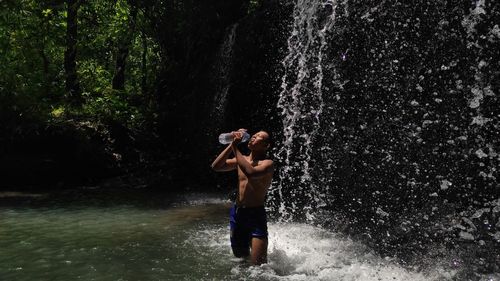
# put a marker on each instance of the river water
(166, 237)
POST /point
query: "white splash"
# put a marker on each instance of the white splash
(305, 252)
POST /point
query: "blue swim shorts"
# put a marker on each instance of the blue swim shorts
(247, 223)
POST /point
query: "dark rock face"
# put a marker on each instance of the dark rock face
(259, 47)
(57, 156)
(188, 89)
(417, 120)
(189, 33)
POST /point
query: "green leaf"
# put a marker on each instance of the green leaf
(46, 12)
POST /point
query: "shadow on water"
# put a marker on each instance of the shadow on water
(139, 197)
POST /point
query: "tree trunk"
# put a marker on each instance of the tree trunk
(46, 74)
(123, 50)
(72, 84)
(47, 79)
(144, 81)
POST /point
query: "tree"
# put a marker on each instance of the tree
(124, 44)
(72, 83)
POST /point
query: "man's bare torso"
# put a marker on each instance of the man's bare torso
(252, 191)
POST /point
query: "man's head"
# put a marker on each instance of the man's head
(260, 141)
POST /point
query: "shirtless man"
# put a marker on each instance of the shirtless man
(248, 217)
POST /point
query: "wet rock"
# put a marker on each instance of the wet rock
(466, 236)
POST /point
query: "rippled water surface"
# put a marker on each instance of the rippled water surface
(183, 240)
(122, 242)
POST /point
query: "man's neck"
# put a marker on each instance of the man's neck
(256, 156)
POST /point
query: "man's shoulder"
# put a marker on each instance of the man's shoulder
(268, 164)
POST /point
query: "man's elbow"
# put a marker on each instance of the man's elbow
(218, 168)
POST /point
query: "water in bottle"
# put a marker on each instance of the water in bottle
(227, 138)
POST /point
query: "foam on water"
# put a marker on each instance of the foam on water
(305, 252)
(197, 199)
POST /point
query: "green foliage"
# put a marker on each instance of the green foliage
(32, 74)
(27, 54)
(113, 105)
(253, 5)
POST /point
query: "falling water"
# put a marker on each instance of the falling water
(222, 75)
(301, 103)
(417, 121)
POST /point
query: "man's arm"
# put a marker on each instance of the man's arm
(263, 168)
(222, 164)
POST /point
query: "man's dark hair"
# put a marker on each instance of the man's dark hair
(269, 139)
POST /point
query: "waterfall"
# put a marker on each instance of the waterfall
(390, 121)
(298, 192)
(222, 72)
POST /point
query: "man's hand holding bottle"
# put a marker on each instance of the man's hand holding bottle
(238, 136)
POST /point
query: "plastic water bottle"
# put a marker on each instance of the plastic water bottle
(227, 138)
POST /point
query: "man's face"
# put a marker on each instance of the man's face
(259, 141)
